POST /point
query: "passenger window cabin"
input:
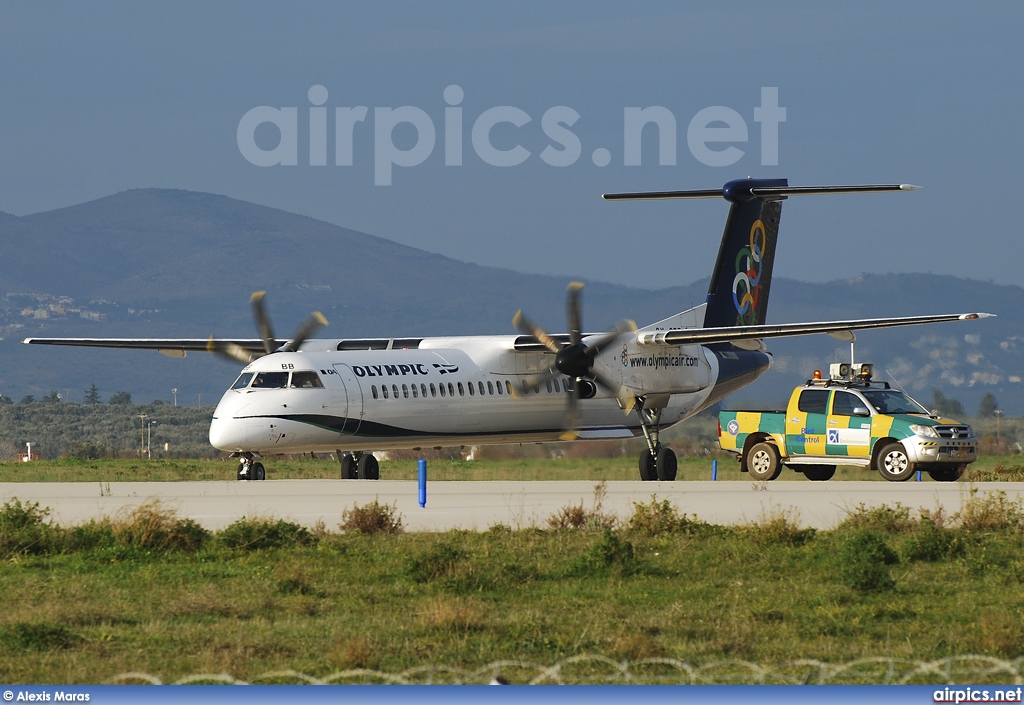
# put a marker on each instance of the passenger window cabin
(310, 380)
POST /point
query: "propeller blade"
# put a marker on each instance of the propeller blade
(627, 400)
(572, 311)
(536, 380)
(313, 322)
(572, 417)
(230, 351)
(259, 313)
(575, 360)
(620, 328)
(524, 325)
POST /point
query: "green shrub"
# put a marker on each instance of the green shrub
(932, 542)
(91, 536)
(990, 511)
(655, 518)
(609, 554)
(780, 526)
(256, 534)
(439, 562)
(864, 560)
(87, 450)
(889, 520)
(659, 518)
(151, 527)
(24, 529)
(37, 636)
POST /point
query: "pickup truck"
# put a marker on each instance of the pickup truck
(848, 420)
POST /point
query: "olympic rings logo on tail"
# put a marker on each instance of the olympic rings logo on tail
(746, 286)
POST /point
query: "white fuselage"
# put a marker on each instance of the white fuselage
(447, 391)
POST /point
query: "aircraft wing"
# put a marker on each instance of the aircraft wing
(178, 347)
(172, 347)
(839, 329)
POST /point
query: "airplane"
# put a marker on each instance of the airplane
(353, 396)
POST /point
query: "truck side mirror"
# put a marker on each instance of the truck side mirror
(861, 411)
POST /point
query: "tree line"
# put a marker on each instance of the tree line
(117, 429)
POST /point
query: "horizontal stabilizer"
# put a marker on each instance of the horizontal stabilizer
(707, 336)
(737, 191)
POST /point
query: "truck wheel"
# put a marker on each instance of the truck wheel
(893, 463)
(819, 473)
(763, 462)
(648, 467)
(666, 465)
(948, 473)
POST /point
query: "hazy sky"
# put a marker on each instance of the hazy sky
(101, 97)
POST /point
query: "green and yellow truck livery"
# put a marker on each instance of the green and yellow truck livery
(848, 422)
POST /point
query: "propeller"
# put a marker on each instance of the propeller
(576, 360)
(235, 352)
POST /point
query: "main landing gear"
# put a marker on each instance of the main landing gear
(657, 462)
(358, 466)
(250, 470)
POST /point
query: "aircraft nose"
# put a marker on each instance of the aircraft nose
(227, 434)
(227, 431)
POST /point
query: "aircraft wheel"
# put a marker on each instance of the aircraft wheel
(948, 473)
(348, 467)
(666, 465)
(367, 467)
(258, 471)
(239, 475)
(893, 463)
(819, 473)
(648, 467)
(763, 462)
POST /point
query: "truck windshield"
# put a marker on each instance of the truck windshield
(889, 401)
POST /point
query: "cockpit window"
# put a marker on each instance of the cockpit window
(270, 380)
(306, 380)
(243, 380)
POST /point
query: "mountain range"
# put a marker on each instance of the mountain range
(160, 262)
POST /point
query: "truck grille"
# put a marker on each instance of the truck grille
(953, 431)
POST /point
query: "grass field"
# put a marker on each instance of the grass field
(155, 594)
(562, 468)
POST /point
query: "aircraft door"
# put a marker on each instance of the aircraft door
(350, 412)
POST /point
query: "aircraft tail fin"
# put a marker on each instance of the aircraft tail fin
(741, 281)
(742, 278)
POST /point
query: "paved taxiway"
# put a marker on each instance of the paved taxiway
(479, 505)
